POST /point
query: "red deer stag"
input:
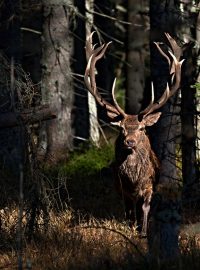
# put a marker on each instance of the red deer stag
(135, 164)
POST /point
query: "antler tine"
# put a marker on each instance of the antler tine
(161, 52)
(175, 48)
(147, 109)
(97, 54)
(93, 56)
(90, 74)
(175, 70)
(120, 110)
(88, 47)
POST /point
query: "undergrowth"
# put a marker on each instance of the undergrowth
(94, 244)
(88, 179)
(89, 162)
(89, 232)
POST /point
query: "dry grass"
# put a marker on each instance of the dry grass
(91, 244)
(74, 239)
(85, 244)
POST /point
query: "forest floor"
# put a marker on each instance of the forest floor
(86, 244)
(87, 231)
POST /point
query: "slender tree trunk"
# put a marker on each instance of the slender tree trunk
(165, 218)
(11, 148)
(137, 45)
(56, 136)
(198, 93)
(81, 112)
(94, 125)
(31, 42)
(105, 30)
(188, 106)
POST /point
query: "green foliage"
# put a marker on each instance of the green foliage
(89, 162)
(197, 86)
(85, 182)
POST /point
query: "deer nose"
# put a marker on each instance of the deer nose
(130, 143)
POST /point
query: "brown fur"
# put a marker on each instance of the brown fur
(136, 164)
(134, 168)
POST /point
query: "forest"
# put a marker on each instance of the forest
(99, 134)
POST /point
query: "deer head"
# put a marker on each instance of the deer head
(133, 126)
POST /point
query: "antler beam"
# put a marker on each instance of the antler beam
(93, 55)
(175, 70)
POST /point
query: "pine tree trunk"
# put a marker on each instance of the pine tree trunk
(198, 93)
(165, 208)
(31, 42)
(137, 44)
(105, 66)
(11, 146)
(93, 119)
(188, 107)
(81, 112)
(56, 136)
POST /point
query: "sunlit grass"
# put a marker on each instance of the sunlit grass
(68, 244)
(86, 244)
(88, 231)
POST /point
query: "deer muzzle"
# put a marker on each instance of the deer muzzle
(129, 143)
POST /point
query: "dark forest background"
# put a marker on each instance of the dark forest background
(56, 144)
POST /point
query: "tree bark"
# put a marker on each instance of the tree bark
(93, 119)
(11, 146)
(164, 229)
(198, 93)
(56, 136)
(137, 46)
(105, 30)
(81, 112)
(31, 42)
(188, 106)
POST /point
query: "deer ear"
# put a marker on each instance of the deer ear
(151, 119)
(117, 123)
(112, 115)
(115, 119)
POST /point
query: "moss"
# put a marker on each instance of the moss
(86, 182)
(89, 162)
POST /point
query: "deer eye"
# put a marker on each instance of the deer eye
(124, 131)
(142, 128)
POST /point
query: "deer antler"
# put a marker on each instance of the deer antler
(175, 70)
(93, 55)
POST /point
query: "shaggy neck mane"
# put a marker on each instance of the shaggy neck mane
(136, 164)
